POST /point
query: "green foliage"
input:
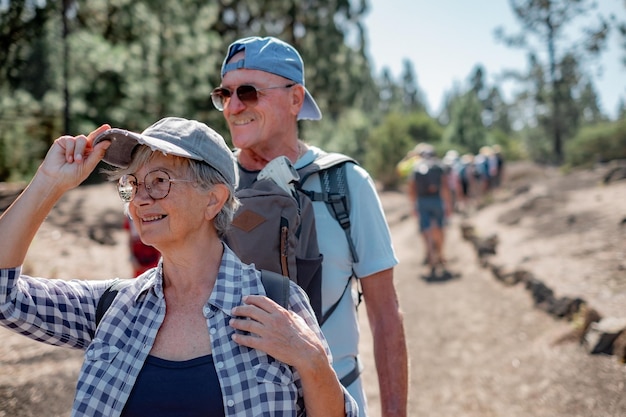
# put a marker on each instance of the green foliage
(131, 62)
(466, 129)
(403, 95)
(598, 143)
(389, 142)
(21, 29)
(510, 143)
(537, 145)
(155, 63)
(25, 129)
(347, 135)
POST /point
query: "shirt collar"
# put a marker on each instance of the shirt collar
(234, 281)
(151, 280)
(309, 156)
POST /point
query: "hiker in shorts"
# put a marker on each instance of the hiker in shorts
(405, 166)
(467, 188)
(195, 336)
(262, 95)
(430, 195)
(498, 169)
(452, 165)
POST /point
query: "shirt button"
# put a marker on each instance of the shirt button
(90, 354)
(212, 330)
(206, 310)
(220, 365)
(230, 403)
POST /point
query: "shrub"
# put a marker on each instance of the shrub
(598, 143)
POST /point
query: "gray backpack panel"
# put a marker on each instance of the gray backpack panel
(275, 231)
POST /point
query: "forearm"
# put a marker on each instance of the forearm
(446, 195)
(20, 222)
(390, 354)
(411, 192)
(323, 396)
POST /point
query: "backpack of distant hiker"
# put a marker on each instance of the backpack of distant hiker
(276, 287)
(427, 176)
(275, 226)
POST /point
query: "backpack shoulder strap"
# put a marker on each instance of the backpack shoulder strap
(108, 296)
(332, 171)
(332, 308)
(322, 163)
(276, 287)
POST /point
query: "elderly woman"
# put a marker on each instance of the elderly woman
(194, 336)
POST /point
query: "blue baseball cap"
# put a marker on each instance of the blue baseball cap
(276, 57)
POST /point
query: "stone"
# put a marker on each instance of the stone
(601, 335)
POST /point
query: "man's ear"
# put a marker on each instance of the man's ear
(217, 197)
(297, 98)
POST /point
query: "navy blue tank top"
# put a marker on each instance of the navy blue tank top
(176, 388)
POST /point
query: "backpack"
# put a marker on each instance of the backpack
(427, 176)
(276, 287)
(274, 228)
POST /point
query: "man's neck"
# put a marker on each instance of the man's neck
(256, 161)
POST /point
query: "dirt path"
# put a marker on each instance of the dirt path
(477, 348)
(480, 349)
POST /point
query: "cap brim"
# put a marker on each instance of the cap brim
(123, 142)
(309, 109)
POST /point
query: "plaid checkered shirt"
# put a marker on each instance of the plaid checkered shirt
(62, 313)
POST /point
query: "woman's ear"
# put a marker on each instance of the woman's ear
(217, 197)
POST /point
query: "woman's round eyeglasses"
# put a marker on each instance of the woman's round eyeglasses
(157, 184)
(247, 94)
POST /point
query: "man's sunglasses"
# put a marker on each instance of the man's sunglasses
(247, 94)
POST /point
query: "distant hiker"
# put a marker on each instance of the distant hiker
(429, 193)
(467, 180)
(452, 165)
(499, 166)
(405, 166)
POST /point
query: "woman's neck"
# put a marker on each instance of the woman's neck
(192, 271)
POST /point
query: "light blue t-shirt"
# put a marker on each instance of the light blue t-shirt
(372, 239)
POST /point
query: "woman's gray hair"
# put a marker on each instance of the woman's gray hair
(206, 177)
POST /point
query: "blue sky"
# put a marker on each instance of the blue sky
(445, 39)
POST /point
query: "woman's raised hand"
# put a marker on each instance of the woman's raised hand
(71, 159)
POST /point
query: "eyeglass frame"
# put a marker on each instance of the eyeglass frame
(170, 180)
(219, 98)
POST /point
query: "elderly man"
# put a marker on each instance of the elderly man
(263, 96)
